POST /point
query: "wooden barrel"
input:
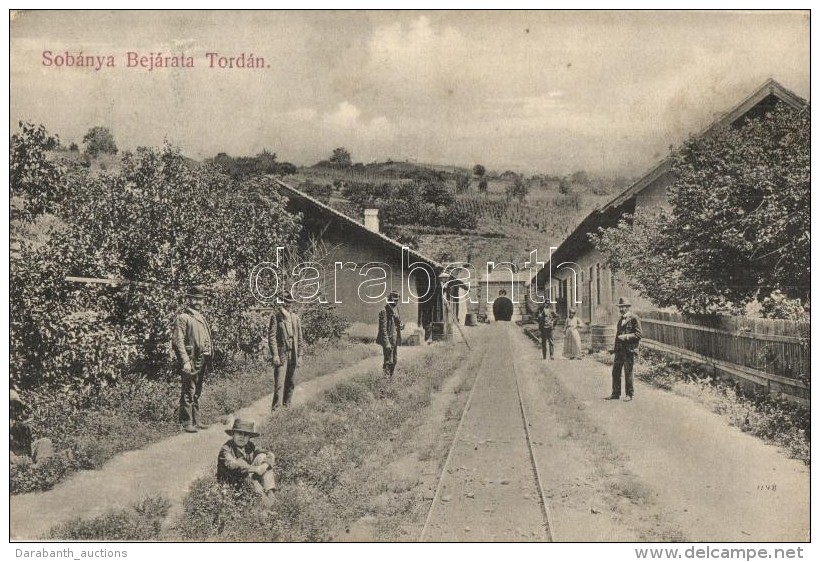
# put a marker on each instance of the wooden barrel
(603, 337)
(470, 319)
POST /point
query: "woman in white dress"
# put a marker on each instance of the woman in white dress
(572, 337)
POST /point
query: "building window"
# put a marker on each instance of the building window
(580, 287)
(611, 286)
(598, 283)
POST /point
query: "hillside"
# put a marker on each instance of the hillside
(500, 228)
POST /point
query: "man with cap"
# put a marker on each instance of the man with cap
(193, 347)
(389, 336)
(627, 338)
(241, 462)
(285, 344)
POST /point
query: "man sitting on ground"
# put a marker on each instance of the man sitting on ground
(241, 463)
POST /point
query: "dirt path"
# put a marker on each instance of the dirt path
(167, 467)
(661, 467)
(488, 491)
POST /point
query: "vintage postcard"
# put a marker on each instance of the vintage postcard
(400, 276)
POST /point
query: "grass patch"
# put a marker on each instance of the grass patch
(632, 489)
(140, 411)
(332, 455)
(140, 522)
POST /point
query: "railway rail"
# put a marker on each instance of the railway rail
(535, 474)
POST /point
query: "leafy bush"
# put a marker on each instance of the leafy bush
(438, 194)
(457, 217)
(213, 511)
(321, 192)
(322, 322)
(25, 478)
(154, 221)
(778, 305)
(34, 176)
(778, 421)
(140, 522)
(518, 190)
(462, 183)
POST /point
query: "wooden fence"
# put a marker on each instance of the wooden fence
(770, 353)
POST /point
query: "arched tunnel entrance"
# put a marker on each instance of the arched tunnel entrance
(502, 309)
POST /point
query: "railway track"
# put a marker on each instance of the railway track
(495, 406)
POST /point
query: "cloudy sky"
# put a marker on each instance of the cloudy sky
(529, 91)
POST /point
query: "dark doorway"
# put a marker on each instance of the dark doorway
(503, 309)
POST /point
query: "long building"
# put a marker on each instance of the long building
(588, 285)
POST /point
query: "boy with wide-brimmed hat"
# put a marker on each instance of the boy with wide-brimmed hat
(241, 463)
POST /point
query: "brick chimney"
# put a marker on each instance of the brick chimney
(371, 219)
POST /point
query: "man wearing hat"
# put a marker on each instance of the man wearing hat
(627, 338)
(546, 318)
(285, 344)
(389, 336)
(240, 462)
(193, 346)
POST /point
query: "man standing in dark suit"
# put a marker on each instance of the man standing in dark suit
(627, 338)
(193, 347)
(285, 344)
(389, 336)
(546, 322)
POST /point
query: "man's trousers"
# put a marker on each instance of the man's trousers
(191, 391)
(623, 361)
(284, 373)
(391, 357)
(546, 337)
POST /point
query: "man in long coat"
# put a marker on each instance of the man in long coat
(546, 322)
(193, 347)
(627, 338)
(285, 344)
(389, 336)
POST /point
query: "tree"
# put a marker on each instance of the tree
(287, 169)
(580, 177)
(156, 220)
(73, 147)
(35, 178)
(99, 140)
(519, 189)
(564, 186)
(340, 158)
(738, 228)
(266, 163)
(462, 183)
(479, 170)
(482, 186)
(436, 193)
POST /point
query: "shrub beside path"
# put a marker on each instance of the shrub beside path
(164, 468)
